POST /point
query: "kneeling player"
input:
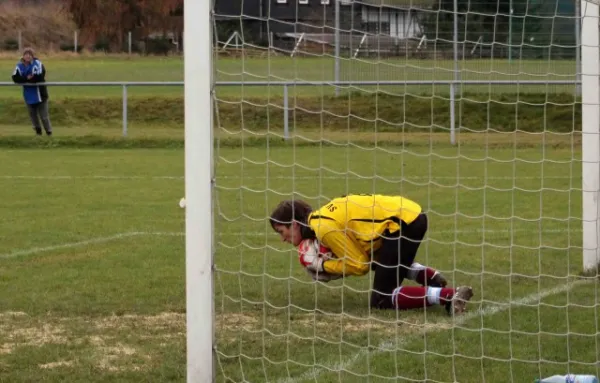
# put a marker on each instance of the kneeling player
(389, 227)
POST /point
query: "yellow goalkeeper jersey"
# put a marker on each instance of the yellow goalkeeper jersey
(352, 226)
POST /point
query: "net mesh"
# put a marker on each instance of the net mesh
(312, 106)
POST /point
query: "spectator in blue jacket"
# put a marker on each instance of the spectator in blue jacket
(30, 70)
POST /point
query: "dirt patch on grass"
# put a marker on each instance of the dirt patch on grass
(118, 343)
(109, 351)
(237, 321)
(111, 355)
(343, 325)
(162, 321)
(231, 326)
(28, 334)
(112, 341)
(5, 348)
(407, 323)
(58, 364)
(11, 314)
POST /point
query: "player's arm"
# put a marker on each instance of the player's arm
(17, 76)
(352, 259)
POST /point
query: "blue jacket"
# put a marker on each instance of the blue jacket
(31, 94)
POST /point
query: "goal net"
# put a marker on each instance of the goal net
(484, 113)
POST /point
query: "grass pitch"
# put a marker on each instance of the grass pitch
(92, 260)
(92, 266)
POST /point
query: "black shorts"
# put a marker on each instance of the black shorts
(394, 258)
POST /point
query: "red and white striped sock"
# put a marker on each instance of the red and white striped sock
(414, 297)
(421, 274)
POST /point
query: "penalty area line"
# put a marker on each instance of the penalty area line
(36, 250)
(92, 241)
(388, 346)
(65, 177)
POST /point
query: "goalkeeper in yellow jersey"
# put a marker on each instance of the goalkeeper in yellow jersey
(378, 232)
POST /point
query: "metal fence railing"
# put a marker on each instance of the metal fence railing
(452, 85)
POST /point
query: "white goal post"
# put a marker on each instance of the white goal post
(198, 189)
(491, 196)
(590, 101)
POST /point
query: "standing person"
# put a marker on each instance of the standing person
(30, 70)
(378, 230)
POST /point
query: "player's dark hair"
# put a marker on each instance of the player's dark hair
(288, 211)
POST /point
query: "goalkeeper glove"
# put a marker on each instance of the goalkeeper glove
(313, 263)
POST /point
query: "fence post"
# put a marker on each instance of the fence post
(286, 127)
(452, 114)
(456, 78)
(124, 110)
(129, 42)
(578, 46)
(337, 43)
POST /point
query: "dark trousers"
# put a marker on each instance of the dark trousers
(37, 112)
(394, 258)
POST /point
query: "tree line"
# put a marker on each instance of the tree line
(106, 23)
(533, 25)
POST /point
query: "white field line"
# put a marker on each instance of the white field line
(314, 373)
(36, 250)
(338, 177)
(65, 177)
